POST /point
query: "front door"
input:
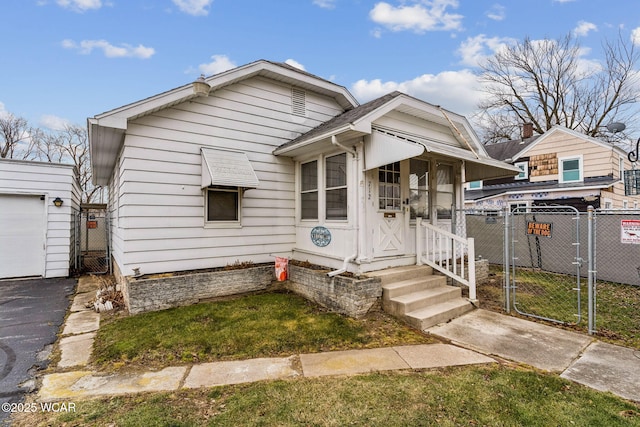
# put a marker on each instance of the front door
(392, 216)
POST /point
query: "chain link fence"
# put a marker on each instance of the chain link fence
(92, 241)
(551, 263)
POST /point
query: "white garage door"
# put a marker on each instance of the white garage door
(22, 234)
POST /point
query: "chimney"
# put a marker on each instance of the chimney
(527, 130)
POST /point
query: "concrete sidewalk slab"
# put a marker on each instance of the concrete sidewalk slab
(82, 384)
(351, 362)
(439, 355)
(76, 350)
(243, 371)
(88, 284)
(80, 301)
(544, 347)
(608, 367)
(81, 322)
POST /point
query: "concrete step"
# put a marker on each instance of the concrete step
(403, 304)
(397, 274)
(396, 289)
(440, 313)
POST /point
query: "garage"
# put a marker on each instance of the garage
(38, 205)
(22, 235)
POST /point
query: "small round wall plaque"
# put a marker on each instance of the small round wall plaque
(320, 236)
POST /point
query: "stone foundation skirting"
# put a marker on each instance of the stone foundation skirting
(347, 295)
(154, 294)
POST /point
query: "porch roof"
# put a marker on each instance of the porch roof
(359, 122)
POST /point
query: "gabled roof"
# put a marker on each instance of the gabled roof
(557, 129)
(508, 150)
(107, 130)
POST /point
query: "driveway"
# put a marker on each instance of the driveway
(31, 312)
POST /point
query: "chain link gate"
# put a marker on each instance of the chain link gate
(92, 241)
(545, 263)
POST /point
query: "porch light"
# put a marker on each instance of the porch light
(58, 202)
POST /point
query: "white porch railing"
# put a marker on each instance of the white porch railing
(447, 253)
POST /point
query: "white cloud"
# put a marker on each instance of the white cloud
(635, 36)
(497, 12)
(194, 7)
(3, 111)
(424, 15)
(295, 64)
(54, 122)
(80, 5)
(454, 90)
(584, 28)
(218, 64)
(85, 47)
(325, 4)
(475, 50)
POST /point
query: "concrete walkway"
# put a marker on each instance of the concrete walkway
(476, 338)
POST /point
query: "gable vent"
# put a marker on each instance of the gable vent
(298, 102)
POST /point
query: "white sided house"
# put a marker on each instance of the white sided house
(37, 205)
(267, 160)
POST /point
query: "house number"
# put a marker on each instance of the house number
(320, 236)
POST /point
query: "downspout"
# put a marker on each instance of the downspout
(350, 258)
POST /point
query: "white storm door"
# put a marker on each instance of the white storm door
(391, 219)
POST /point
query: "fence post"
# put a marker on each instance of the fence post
(506, 271)
(418, 241)
(591, 271)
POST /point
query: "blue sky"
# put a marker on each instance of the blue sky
(66, 60)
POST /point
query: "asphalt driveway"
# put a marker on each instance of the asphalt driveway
(31, 312)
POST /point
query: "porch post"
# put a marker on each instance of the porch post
(418, 241)
(471, 254)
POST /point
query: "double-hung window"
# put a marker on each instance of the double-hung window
(419, 188)
(570, 169)
(524, 170)
(309, 190)
(336, 187)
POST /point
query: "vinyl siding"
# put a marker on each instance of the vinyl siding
(597, 160)
(160, 208)
(50, 180)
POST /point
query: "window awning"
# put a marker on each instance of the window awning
(228, 168)
(384, 148)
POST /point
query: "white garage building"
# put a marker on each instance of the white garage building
(37, 235)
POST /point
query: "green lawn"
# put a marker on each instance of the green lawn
(262, 325)
(462, 396)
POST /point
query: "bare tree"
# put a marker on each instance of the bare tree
(15, 140)
(546, 83)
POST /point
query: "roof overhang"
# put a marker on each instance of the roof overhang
(541, 190)
(107, 130)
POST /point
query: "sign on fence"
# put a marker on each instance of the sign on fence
(630, 231)
(539, 228)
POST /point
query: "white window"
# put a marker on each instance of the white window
(625, 204)
(570, 169)
(223, 204)
(419, 188)
(445, 194)
(309, 190)
(607, 204)
(621, 167)
(389, 187)
(475, 185)
(524, 170)
(336, 187)
(520, 206)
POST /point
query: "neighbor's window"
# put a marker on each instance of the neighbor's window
(524, 170)
(223, 204)
(336, 186)
(570, 169)
(309, 190)
(475, 185)
(419, 188)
